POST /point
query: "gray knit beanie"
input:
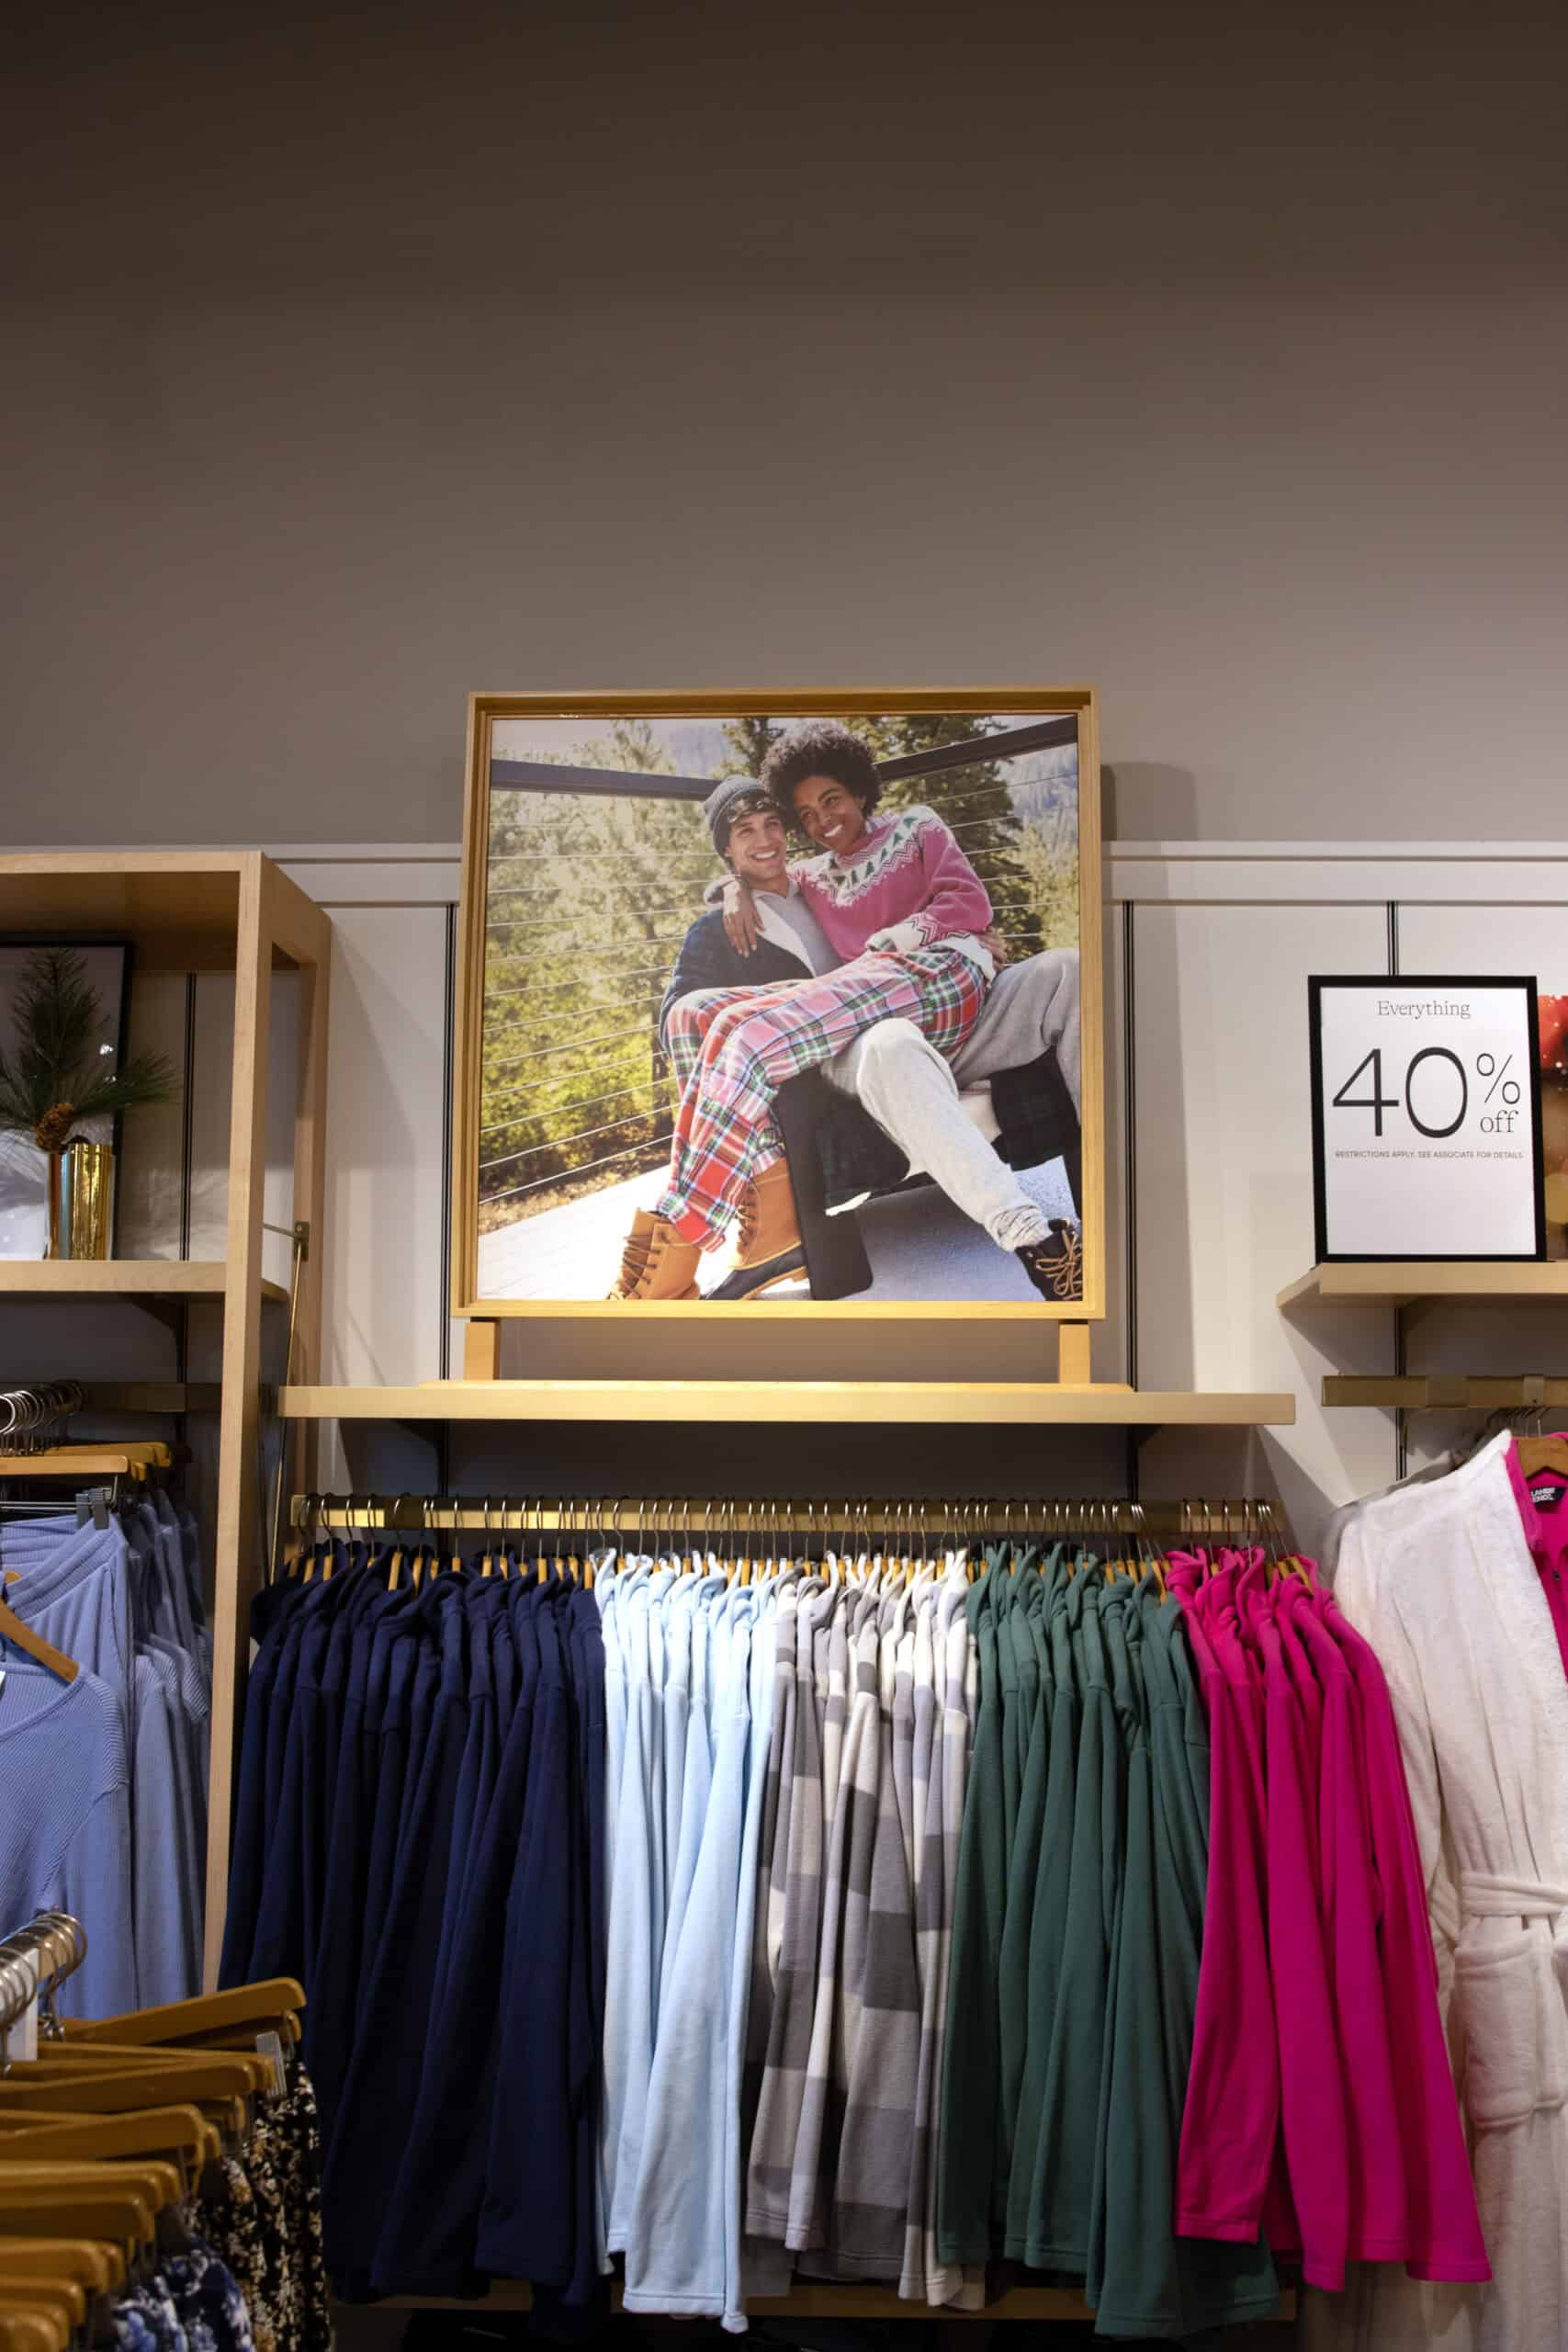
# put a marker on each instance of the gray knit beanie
(719, 808)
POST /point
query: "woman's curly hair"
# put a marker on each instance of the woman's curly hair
(820, 747)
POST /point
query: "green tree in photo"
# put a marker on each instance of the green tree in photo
(589, 898)
(751, 740)
(1048, 853)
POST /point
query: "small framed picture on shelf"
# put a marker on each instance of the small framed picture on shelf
(1425, 1118)
(781, 1001)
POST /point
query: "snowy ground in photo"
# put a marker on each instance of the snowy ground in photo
(920, 1246)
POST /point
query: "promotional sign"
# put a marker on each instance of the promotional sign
(1426, 1119)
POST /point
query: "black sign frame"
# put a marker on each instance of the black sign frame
(1382, 982)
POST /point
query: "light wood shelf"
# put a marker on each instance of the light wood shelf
(119, 1278)
(1392, 1283)
(180, 909)
(797, 1401)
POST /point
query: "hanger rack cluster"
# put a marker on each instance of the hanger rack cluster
(36, 1960)
(34, 1418)
(646, 1518)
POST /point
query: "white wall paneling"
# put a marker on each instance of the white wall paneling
(1223, 1134)
(383, 1308)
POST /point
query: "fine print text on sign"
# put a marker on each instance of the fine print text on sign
(1425, 1121)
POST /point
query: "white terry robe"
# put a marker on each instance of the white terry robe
(1440, 1580)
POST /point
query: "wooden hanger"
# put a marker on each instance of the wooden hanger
(267, 1998)
(181, 2078)
(155, 2184)
(395, 1565)
(123, 1458)
(89, 2261)
(56, 2301)
(63, 2296)
(26, 2331)
(31, 2331)
(242, 2039)
(70, 2061)
(92, 2059)
(33, 1645)
(112, 2218)
(142, 2131)
(1546, 1452)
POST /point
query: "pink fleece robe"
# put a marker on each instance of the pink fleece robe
(1378, 2215)
(1231, 2120)
(1317, 1955)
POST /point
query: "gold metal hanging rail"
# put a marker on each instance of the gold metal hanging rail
(1454, 1392)
(841, 1521)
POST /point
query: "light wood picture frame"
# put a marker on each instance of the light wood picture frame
(593, 895)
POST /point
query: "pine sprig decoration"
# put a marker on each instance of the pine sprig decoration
(56, 1077)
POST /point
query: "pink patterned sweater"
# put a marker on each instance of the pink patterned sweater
(906, 877)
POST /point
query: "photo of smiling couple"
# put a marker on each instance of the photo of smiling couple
(866, 1049)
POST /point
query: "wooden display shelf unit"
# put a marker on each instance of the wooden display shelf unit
(1393, 1282)
(1041, 1403)
(183, 910)
(209, 911)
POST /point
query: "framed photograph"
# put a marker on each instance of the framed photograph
(24, 1170)
(781, 1003)
(1425, 1118)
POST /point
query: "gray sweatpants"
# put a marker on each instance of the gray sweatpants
(912, 1092)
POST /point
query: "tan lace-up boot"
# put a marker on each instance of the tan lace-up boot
(656, 1262)
(768, 1223)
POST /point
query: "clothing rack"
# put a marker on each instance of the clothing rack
(909, 1522)
(752, 1527)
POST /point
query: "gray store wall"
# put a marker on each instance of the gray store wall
(1213, 356)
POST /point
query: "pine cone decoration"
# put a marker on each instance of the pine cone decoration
(53, 1130)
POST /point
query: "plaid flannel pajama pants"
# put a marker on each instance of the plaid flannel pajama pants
(733, 1048)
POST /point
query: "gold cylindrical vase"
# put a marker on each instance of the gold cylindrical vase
(84, 1210)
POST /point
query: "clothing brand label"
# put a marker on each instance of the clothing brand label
(1425, 1118)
